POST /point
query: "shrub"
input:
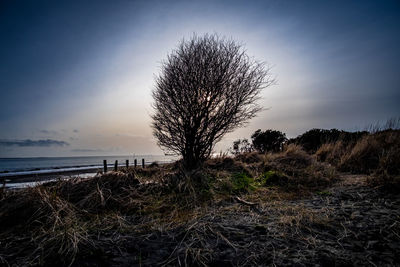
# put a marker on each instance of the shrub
(241, 181)
(268, 141)
(313, 139)
(273, 178)
(241, 146)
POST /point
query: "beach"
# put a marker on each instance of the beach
(23, 172)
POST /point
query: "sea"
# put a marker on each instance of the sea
(40, 165)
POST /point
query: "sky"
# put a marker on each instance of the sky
(76, 77)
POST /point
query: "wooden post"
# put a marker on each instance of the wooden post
(105, 165)
(116, 165)
(135, 163)
(127, 163)
(142, 163)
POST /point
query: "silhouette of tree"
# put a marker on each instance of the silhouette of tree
(269, 140)
(208, 87)
(241, 146)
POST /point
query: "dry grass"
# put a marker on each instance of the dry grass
(363, 157)
(300, 217)
(387, 173)
(60, 222)
(299, 170)
(52, 226)
(251, 157)
(332, 152)
(291, 170)
(228, 164)
(55, 222)
(293, 155)
(376, 154)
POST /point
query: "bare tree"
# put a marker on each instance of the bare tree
(208, 87)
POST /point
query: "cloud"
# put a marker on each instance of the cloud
(76, 131)
(86, 150)
(129, 135)
(50, 132)
(33, 143)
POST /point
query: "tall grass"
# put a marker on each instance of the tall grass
(390, 124)
(376, 154)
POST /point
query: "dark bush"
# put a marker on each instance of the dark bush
(313, 139)
(268, 141)
(241, 146)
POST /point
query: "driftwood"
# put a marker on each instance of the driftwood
(253, 206)
(244, 202)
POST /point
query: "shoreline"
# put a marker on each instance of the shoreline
(41, 176)
(45, 176)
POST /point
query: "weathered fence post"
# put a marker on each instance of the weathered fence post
(142, 163)
(135, 163)
(105, 165)
(127, 163)
(116, 165)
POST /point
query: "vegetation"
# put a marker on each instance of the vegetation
(208, 87)
(313, 139)
(241, 146)
(268, 141)
(167, 214)
(376, 154)
(60, 222)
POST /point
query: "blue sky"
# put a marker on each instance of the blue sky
(76, 76)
